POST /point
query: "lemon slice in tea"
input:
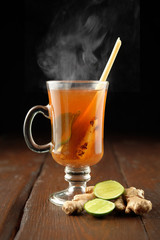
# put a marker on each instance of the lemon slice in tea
(108, 189)
(99, 207)
(62, 128)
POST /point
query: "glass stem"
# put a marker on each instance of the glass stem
(77, 178)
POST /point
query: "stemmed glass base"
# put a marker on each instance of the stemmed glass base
(77, 178)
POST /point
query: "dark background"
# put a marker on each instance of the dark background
(133, 97)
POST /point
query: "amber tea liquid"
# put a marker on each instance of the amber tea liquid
(77, 117)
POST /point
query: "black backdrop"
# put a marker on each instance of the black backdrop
(130, 108)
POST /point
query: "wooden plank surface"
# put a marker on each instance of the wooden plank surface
(27, 179)
(139, 161)
(42, 220)
(19, 168)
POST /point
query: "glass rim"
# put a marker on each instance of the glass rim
(76, 82)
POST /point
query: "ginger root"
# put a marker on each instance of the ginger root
(77, 203)
(120, 205)
(133, 200)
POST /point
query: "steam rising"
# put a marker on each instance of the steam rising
(81, 37)
(76, 50)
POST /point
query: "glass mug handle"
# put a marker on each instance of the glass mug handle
(27, 128)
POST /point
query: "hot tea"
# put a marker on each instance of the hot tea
(76, 112)
(77, 117)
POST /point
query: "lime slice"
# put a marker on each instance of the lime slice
(108, 189)
(99, 207)
(62, 128)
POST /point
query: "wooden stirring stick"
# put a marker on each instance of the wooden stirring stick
(103, 77)
(111, 60)
(105, 72)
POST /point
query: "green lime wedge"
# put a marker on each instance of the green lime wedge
(99, 207)
(62, 128)
(108, 189)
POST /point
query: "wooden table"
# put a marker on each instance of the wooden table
(27, 179)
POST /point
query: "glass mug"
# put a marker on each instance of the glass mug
(76, 110)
